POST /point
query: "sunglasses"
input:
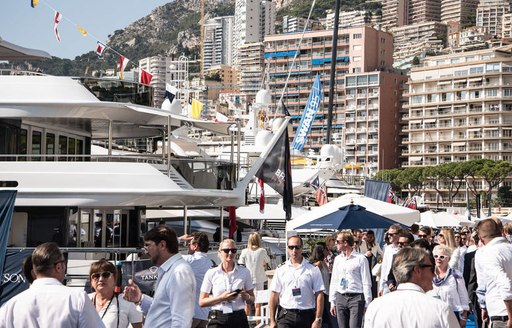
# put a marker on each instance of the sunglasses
(392, 234)
(422, 236)
(402, 244)
(292, 247)
(338, 241)
(441, 257)
(104, 274)
(432, 268)
(229, 250)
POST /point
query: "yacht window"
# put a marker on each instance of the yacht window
(36, 144)
(50, 146)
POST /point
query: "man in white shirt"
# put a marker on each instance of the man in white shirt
(198, 246)
(48, 303)
(351, 285)
(387, 259)
(174, 299)
(493, 265)
(298, 288)
(409, 306)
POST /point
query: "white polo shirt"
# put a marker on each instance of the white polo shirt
(288, 280)
(127, 312)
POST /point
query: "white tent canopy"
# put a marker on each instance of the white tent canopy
(443, 219)
(400, 214)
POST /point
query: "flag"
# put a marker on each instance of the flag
(285, 110)
(196, 109)
(391, 196)
(232, 221)
(84, 32)
(262, 195)
(170, 92)
(145, 77)
(100, 48)
(413, 204)
(34, 3)
(56, 21)
(315, 97)
(123, 62)
(219, 117)
(321, 195)
(276, 172)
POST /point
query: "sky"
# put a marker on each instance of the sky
(33, 27)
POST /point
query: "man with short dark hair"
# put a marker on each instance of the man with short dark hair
(350, 289)
(426, 233)
(48, 303)
(405, 240)
(174, 299)
(493, 265)
(298, 288)
(409, 306)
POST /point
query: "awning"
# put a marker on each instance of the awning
(433, 120)
(415, 122)
(415, 158)
(490, 128)
(506, 128)
(444, 82)
(458, 144)
(476, 79)
(474, 130)
(460, 81)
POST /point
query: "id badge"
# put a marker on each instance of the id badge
(343, 283)
(227, 309)
(296, 292)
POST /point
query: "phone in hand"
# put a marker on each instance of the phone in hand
(237, 291)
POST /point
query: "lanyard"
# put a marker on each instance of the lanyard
(110, 302)
(293, 271)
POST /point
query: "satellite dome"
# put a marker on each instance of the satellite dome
(264, 97)
(263, 138)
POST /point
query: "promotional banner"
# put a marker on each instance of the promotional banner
(143, 273)
(315, 97)
(13, 281)
(7, 199)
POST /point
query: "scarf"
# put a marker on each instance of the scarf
(440, 281)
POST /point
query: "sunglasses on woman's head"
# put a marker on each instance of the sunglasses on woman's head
(104, 274)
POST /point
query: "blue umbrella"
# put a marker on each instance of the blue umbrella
(350, 217)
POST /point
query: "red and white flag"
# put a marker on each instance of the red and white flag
(262, 195)
(100, 49)
(145, 77)
(123, 62)
(56, 21)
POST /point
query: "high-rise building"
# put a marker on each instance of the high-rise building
(460, 109)
(253, 20)
(462, 11)
(348, 19)
(396, 13)
(293, 24)
(218, 42)
(372, 122)
(251, 71)
(359, 49)
(489, 13)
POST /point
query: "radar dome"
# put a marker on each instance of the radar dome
(264, 97)
(263, 138)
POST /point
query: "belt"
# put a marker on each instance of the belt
(499, 318)
(220, 313)
(299, 310)
(352, 294)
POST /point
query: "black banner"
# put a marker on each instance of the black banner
(145, 275)
(13, 281)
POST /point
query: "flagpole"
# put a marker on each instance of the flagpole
(333, 68)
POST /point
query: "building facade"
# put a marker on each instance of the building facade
(489, 14)
(462, 11)
(359, 49)
(218, 42)
(460, 109)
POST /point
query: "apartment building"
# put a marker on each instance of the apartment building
(460, 109)
(506, 26)
(417, 40)
(489, 14)
(251, 68)
(293, 24)
(218, 42)
(462, 11)
(359, 49)
(372, 121)
(349, 19)
(396, 13)
(254, 19)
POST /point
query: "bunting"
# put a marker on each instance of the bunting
(145, 77)
(56, 20)
(81, 30)
(123, 62)
(100, 49)
(262, 195)
(170, 92)
(34, 3)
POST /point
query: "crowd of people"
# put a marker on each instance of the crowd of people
(420, 278)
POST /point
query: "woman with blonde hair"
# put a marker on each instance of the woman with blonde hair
(255, 258)
(447, 237)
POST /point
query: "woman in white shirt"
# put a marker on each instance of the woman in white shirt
(255, 259)
(448, 284)
(114, 310)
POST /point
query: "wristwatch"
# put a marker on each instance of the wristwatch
(319, 319)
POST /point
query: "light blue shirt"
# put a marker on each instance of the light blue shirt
(173, 303)
(200, 263)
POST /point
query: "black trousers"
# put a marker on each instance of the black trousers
(217, 319)
(295, 318)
